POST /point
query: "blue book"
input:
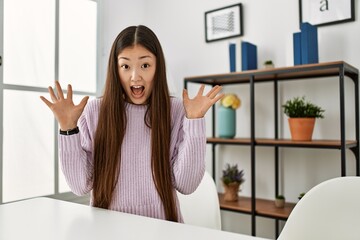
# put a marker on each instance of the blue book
(309, 44)
(232, 56)
(297, 48)
(248, 56)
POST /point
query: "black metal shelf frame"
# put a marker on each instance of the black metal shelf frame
(300, 72)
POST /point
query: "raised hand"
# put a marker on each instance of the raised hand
(199, 105)
(64, 109)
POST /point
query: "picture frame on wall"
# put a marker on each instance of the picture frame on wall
(326, 12)
(223, 23)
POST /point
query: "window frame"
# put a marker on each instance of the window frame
(4, 87)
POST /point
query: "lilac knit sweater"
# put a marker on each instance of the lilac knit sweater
(135, 191)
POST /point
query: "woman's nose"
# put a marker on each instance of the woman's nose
(135, 75)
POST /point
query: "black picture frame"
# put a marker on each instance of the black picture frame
(224, 23)
(326, 12)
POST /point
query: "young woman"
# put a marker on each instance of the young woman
(136, 145)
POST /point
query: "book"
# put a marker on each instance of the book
(248, 56)
(232, 57)
(297, 48)
(309, 44)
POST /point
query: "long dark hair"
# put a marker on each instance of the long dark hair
(112, 124)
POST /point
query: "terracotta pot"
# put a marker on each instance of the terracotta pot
(301, 128)
(231, 191)
(279, 203)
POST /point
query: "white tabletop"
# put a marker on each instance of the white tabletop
(46, 218)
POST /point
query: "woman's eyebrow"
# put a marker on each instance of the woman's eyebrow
(142, 57)
(146, 56)
(123, 58)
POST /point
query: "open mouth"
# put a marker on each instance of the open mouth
(137, 90)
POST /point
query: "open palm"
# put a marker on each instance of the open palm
(64, 109)
(199, 105)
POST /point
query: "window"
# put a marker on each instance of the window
(43, 40)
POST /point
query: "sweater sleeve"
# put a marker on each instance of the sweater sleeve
(75, 153)
(188, 160)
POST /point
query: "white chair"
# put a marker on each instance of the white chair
(330, 210)
(201, 208)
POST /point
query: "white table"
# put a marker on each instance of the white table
(46, 218)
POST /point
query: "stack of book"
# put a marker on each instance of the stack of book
(247, 56)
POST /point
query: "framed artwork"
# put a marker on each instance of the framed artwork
(326, 12)
(223, 23)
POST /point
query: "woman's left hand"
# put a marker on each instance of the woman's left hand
(199, 105)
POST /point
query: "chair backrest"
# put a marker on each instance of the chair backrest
(201, 208)
(330, 210)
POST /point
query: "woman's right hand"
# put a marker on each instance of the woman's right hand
(64, 109)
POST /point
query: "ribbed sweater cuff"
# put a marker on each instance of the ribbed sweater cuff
(195, 127)
(69, 142)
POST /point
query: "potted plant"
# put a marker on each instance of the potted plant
(301, 195)
(279, 201)
(302, 115)
(227, 116)
(232, 178)
(268, 64)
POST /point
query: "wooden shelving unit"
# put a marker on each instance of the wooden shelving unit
(262, 207)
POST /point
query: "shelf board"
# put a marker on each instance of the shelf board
(237, 141)
(313, 143)
(265, 208)
(282, 73)
(284, 142)
(242, 205)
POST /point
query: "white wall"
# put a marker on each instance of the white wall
(115, 16)
(270, 25)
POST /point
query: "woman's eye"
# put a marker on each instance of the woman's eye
(146, 65)
(124, 66)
